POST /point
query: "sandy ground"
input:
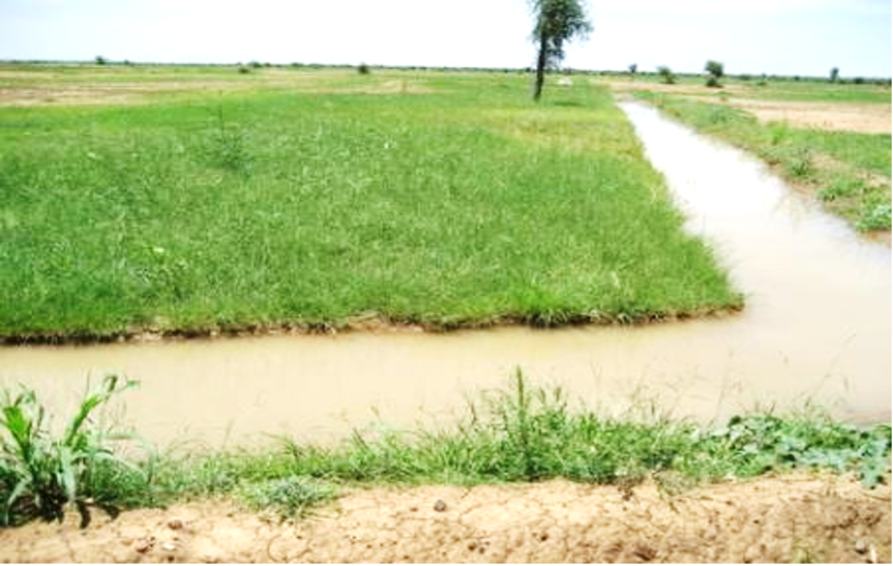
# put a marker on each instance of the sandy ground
(839, 116)
(787, 519)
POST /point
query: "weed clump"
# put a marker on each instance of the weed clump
(876, 216)
(227, 149)
(42, 474)
(288, 498)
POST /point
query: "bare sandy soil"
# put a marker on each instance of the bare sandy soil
(838, 116)
(799, 518)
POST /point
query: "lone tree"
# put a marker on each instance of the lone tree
(835, 74)
(557, 21)
(715, 70)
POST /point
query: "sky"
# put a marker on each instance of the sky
(785, 37)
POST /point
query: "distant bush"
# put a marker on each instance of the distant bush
(858, 81)
(666, 75)
(363, 69)
(255, 65)
(244, 70)
(715, 70)
(100, 60)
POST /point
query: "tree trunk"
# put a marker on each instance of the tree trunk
(540, 71)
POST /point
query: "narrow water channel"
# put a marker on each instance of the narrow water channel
(817, 328)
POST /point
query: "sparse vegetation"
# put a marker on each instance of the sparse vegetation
(521, 434)
(850, 172)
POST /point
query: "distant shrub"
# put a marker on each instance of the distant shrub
(363, 69)
(100, 60)
(244, 70)
(666, 75)
(745, 77)
(715, 70)
(858, 81)
(255, 65)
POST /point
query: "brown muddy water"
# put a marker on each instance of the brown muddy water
(816, 329)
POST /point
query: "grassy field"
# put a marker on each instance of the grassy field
(517, 434)
(848, 171)
(188, 199)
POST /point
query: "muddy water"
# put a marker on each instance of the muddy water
(816, 328)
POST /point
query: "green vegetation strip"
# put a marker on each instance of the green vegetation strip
(521, 434)
(430, 198)
(850, 172)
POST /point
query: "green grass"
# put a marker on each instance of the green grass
(433, 198)
(850, 172)
(518, 434)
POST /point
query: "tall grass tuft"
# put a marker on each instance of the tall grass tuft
(41, 474)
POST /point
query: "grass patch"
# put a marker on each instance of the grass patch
(849, 172)
(464, 206)
(519, 434)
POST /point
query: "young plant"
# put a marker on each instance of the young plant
(42, 474)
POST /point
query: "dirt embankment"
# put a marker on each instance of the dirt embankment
(771, 520)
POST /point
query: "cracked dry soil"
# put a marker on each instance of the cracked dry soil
(793, 518)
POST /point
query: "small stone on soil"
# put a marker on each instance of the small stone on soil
(175, 524)
(440, 506)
